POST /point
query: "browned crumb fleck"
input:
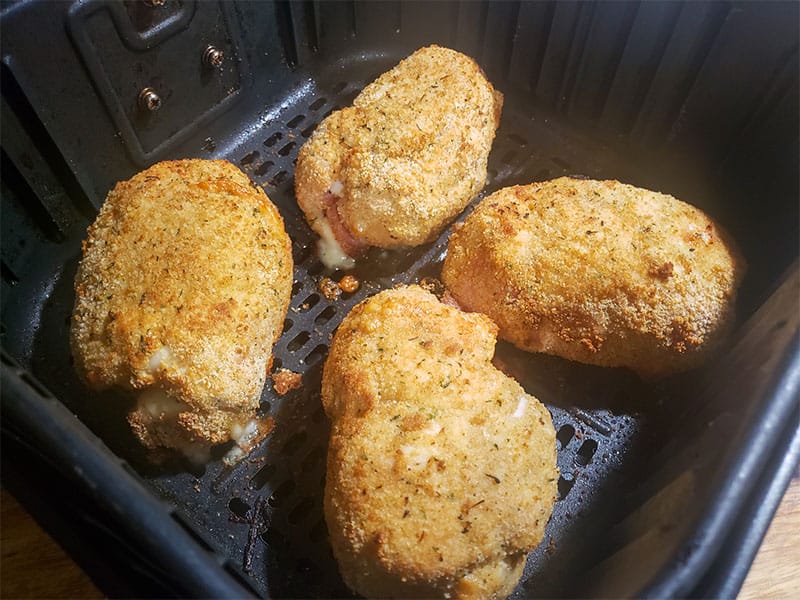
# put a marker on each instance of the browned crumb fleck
(349, 284)
(662, 272)
(329, 288)
(265, 427)
(433, 285)
(579, 435)
(284, 380)
(551, 546)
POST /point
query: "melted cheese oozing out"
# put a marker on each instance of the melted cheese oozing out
(163, 358)
(156, 403)
(521, 406)
(159, 357)
(330, 252)
(243, 435)
(159, 405)
(337, 187)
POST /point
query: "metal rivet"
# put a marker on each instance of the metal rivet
(213, 56)
(149, 100)
(155, 3)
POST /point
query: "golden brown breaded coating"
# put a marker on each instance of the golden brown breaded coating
(441, 469)
(598, 272)
(400, 163)
(181, 292)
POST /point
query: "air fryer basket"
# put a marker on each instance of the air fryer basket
(665, 487)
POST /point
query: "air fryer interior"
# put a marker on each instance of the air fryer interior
(651, 94)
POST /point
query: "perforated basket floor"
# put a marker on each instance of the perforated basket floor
(264, 517)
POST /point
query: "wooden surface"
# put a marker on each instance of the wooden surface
(775, 572)
(33, 566)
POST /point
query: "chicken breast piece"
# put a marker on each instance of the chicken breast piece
(598, 272)
(181, 292)
(400, 163)
(441, 469)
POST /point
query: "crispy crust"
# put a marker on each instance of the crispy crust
(598, 272)
(184, 285)
(410, 153)
(441, 470)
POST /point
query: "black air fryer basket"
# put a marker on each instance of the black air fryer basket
(666, 488)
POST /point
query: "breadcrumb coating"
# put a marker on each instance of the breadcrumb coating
(181, 292)
(441, 469)
(598, 272)
(400, 163)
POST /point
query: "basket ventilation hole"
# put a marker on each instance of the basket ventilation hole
(325, 316)
(301, 510)
(564, 486)
(264, 474)
(279, 178)
(296, 287)
(298, 342)
(316, 354)
(287, 325)
(296, 121)
(318, 103)
(319, 531)
(238, 507)
(273, 139)
(585, 453)
(277, 363)
(294, 443)
(310, 302)
(274, 539)
(250, 158)
(318, 415)
(313, 459)
(565, 434)
(264, 168)
(287, 149)
(281, 494)
(308, 130)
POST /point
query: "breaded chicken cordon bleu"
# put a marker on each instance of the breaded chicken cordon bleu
(181, 292)
(598, 272)
(397, 166)
(441, 472)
